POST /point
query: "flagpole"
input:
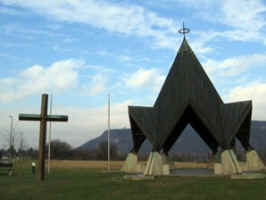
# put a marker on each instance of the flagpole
(50, 131)
(109, 132)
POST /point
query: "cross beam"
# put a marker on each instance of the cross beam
(36, 117)
(43, 118)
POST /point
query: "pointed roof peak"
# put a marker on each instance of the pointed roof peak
(184, 48)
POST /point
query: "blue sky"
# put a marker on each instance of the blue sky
(81, 50)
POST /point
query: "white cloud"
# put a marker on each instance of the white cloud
(29, 33)
(58, 76)
(98, 68)
(90, 122)
(244, 14)
(245, 19)
(124, 58)
(234, 66)
(113, 17)
(145, 78)
(176, 3)
(95, 86)
(240, 14)
(84, 122)
(199, 46)
(255, 91)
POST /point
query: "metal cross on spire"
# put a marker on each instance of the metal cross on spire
(184, 30)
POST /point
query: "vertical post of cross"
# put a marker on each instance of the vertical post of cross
(43, 136)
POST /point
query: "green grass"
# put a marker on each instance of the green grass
(77, 184)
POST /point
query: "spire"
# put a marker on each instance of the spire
(184, 30)
(185, 48)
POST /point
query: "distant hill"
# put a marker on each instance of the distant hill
(189, 141)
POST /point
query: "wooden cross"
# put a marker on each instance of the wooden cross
(43, 118)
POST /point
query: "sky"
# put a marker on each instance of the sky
(82, 50)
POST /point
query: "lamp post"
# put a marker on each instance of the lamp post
(11, 139)
(50, 132)
(108, 132)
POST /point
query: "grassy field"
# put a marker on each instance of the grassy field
(117, 164)
(88, 183)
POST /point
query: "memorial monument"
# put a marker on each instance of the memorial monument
(189, 97)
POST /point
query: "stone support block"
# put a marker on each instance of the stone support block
(229, 164)
(254, 163)
(155, 165)
(131, 164)
(218, 169)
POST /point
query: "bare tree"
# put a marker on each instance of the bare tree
(102, 151)
(60, 149)
(8, 143)
(22, 145)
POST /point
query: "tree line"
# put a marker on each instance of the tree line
(61, 150)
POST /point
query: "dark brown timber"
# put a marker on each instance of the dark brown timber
(189, 97)
(43, 118)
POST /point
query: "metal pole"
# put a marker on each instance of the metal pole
(50, 132)
(109, 132)
(11, 137)
(21, 145)
(43, 136)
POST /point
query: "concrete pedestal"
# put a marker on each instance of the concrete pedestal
(164, 158)
(218, 169)
(131, 164)
(254, 163)
(155, 165)
(229, 164)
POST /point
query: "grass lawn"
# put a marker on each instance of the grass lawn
(77, 184)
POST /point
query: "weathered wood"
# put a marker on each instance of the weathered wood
(188, 96)
(37, 117)
(42, 138)
(43, 118)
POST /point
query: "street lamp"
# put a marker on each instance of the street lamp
(11, 136)
(108, 138)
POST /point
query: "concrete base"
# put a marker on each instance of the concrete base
(218, 169)
(254, 163)
(155, 165)
(248, 176)
(166, 169)
(131, 164)
(243, 166)
(164, 158)
(229, 164)
(141, 167)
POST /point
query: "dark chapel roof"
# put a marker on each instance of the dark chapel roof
(188, 96)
